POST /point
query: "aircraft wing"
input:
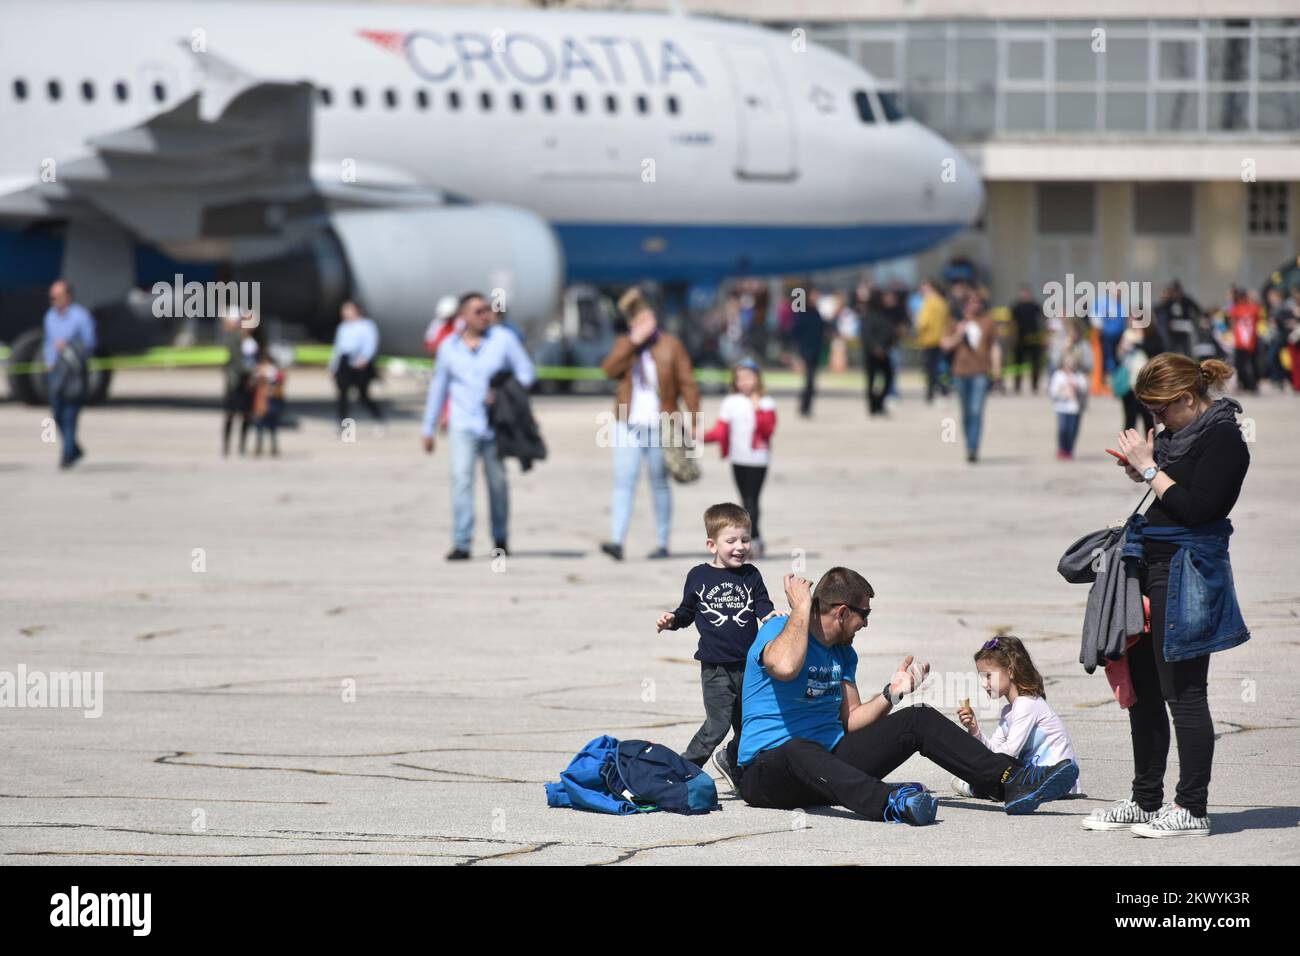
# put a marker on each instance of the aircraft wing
(225, 173)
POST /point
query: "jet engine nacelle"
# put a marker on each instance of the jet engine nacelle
(397, 263)
(400, 263)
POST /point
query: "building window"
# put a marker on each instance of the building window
(54, 89)
(1067, 209)
(879, 58)
(1025, 59)
(120, 91)
(1026, 111)
(1162, 209)
(390, 98)
(1227, 59)
(672, 105)
(453, 99)
(20, 89)
(1176, 112)
(1177, 60)
(611, 103)
(325, 96)
(422, 99)
(548, 102)
(485, 100)
(642, 104)
(1267, 211)
(358, 97)
(517, 101)
(159, 93)
(88, 91)
(1279, 59)
(579, 103)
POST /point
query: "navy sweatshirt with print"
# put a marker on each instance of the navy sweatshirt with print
(726, 605)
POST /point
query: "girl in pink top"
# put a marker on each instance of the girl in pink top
(1027, 728)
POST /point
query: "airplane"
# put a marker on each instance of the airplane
(396, 154)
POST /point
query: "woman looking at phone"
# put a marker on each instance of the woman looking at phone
(1195, 466)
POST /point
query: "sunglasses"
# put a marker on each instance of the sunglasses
(863, 612)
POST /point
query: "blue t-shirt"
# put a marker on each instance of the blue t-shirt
(808, 707)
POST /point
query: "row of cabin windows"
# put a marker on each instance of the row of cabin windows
(888, 104)
(548, 102)
(121, 91)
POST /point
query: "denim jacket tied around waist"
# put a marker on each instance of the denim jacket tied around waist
(1201, 611)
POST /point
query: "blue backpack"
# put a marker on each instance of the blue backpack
(634, 776)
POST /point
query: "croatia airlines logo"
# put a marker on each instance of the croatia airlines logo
(530, 59)
(390, 40)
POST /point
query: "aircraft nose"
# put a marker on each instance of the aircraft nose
(954, 192)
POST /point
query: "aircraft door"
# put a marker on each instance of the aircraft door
(765, 148)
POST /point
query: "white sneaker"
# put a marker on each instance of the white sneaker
(961, 787)
(1172, 821)
(1124, 815)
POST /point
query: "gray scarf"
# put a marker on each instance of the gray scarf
(1170, 446)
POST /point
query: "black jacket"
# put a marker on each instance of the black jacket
(511, 416)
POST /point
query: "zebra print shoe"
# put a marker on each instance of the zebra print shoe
(1123, 815)
(1172, 821)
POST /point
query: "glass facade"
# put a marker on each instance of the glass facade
(974, 80)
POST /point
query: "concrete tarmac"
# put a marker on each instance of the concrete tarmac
(293, 674)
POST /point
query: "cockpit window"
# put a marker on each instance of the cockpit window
(889, 103)
(863, 102)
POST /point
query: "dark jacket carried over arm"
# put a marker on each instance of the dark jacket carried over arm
(511, 416)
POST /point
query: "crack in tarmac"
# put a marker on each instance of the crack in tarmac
(693, 844)
(111, 796)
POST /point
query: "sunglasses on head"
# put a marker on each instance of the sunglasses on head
(990, 645)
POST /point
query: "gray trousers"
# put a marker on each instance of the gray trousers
(722, 685)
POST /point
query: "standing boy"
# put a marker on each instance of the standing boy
(727, 601)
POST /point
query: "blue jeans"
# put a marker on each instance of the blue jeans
(632, 443)
(466, 448)
(1067, 431)
(65, 417)
(972, 390)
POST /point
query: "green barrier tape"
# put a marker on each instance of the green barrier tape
(215, 356)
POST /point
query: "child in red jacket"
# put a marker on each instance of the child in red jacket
(745, 425)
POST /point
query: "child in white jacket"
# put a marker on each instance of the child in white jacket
(745, 425)
(1068, 388)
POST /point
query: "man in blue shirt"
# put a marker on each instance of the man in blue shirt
(67, 326)
(356, 343)
(464, 368)
(808, 739)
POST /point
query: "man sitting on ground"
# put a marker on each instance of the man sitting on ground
(808, 739)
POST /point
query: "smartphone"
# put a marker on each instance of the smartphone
(1112, 451)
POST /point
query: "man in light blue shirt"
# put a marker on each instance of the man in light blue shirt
(464, 368)
(356, 343)
(67, 324)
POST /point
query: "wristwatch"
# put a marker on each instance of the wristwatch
(1150, 473)
(889, 696)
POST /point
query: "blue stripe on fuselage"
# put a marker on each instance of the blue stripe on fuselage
(596, 252)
